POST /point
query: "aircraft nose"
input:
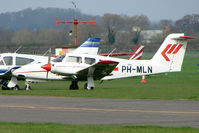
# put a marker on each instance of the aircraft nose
(46, 67)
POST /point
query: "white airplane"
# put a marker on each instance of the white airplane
(11, 61)
(86, 67)
(34, 72)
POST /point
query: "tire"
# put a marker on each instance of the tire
(85, 86)
(71, 87)
(16, 88)
(29, 88)
(74, 86)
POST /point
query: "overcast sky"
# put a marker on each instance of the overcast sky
(154, 9)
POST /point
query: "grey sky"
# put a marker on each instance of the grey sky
(154, 9)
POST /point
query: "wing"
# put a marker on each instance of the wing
(7, 74)
(98, 70)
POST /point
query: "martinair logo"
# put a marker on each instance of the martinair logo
(171, 49)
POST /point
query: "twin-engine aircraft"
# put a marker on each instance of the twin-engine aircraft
(80, 66)
(34, 73)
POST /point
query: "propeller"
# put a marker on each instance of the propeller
(48, 66)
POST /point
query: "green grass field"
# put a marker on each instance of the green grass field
(181, 85)
(6, 127)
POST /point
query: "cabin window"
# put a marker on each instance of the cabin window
(8, 60)
(59, 58)
(89, 61)
(23, 61)
(74, 59)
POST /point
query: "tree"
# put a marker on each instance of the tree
(24, 36)
(189, 24)
(112, 23)
(87, 30)
(6, 36)
(135, 25)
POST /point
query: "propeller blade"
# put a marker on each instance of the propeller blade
(48, 65)
(47, 75)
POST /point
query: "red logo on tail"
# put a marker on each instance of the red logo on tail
(171, 49)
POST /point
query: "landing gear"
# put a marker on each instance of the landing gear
(88, 88)
(4, 85)
(74, 85)
(27, 87)
(16, 88)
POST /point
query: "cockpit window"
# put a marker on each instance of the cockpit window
(74, 59)
(59, 58)
(89, 61)
(23, 61)
(8, 60)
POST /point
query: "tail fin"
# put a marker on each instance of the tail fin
(137, 53)
(91, 46)
(171, 53)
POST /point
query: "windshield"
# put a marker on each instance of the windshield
(8, 60)
(59, 58)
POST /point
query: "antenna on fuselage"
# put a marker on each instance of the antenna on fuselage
(48, 51)
(18, 49)
(112, 52)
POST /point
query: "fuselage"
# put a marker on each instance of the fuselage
(13, 60)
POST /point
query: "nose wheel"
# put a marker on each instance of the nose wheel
(27, 87)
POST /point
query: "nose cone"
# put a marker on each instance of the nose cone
(46, 67)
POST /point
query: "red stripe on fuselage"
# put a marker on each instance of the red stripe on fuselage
(31, 72)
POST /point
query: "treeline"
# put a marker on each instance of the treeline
(37, 28)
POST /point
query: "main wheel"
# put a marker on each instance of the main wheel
(74, 86)
(16, 88)
(86, 87)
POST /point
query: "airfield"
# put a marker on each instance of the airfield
(168, 100)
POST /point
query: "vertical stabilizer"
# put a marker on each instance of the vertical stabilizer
(91, 46)
(171, 53)
(137, 53)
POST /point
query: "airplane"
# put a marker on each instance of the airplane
(34, 72)
(85, 67)
(12, 61)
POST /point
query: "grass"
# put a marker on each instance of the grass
(12, 127)
(182, 85)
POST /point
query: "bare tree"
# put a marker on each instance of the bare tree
(112, 23)
(189, 24)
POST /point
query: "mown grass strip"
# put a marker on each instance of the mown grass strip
(13, 127)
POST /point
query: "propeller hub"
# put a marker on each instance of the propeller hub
(46, 67)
